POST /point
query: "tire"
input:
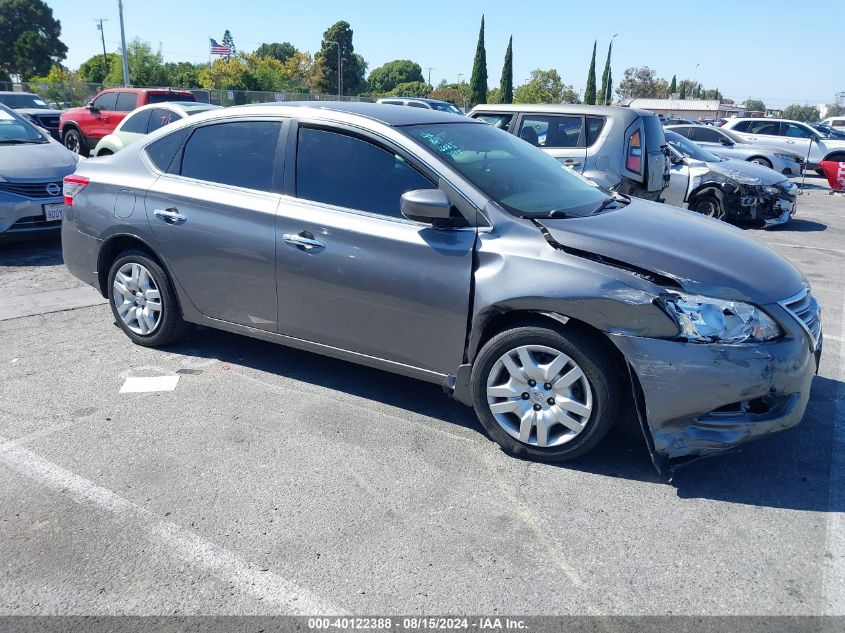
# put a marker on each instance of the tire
(592, 394)
(140, 321)
(759, 160)
(105, 152)
(74, 141)
(709, 203)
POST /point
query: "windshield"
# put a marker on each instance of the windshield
(445, 107)
(690, 149)
(23, 100)
(519, 177)
(162, 97)
(15, 130)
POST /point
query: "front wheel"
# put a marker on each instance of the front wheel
(74, 142)
(709, 204)
(759, 160)
(544, 395)
(143, 300)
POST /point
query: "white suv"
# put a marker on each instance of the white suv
(797, 137)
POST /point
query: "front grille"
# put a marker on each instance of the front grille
(31, 189)
(808, 313)
(34, 222)
(50, 121)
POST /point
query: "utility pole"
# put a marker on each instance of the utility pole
(123, 45)
(459, 77)
(99, 22)
(339, 69)
(430, 68)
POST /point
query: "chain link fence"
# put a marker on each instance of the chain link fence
(73, 94)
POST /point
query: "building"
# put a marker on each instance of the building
(691, 109)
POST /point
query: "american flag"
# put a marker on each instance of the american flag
(219, 49)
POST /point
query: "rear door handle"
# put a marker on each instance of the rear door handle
(304, 241)
(170, 215)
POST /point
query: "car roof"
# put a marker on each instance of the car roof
(335, 110)
(17, 92)
(563, 108)
(423, 99)
(737, 119)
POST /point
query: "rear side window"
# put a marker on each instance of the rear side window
(763, 127)
(350, 172)
(417, 104)
(686, 131)
(106, 101)
(163, 97)
(136, 123)
(161, 152)
(241, 153)
(551, 131)
(707, 135)
(595, 124)
(741, 126)
(126, 101)
(161, 117)
(501, 121)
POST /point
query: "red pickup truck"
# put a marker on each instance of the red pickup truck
(81, 128)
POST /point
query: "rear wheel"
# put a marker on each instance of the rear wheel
(143, 300)
(765, 162)
(543, 394)
(74, 142)
(710, 204)
(105, 152)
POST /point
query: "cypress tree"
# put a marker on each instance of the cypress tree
(506, 85)
(684, 89)
(478, 80)
(673, 87)
(606, 80)
(590, 91)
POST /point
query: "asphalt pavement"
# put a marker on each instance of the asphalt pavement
(272, 481)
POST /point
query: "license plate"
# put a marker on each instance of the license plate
(54, 212)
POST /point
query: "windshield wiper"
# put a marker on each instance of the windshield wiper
(17, 141)
(606, 204)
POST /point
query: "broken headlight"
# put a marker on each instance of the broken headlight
(709, 320)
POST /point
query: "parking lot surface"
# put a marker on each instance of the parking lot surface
(271, 480)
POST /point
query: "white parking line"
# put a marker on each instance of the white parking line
(49, 301)
(804, 246)
(834, 551)
(283, 596)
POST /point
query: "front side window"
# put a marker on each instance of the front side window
(707, 135)
(136, 123)
(240, 153)
(687, 131)
(521, 179)
(417, 104)
(126, 101)
(501, 121)
(106, 101)
(551, 131)
(446, 107)
(350, 172)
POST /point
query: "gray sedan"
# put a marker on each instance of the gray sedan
(727, 144)
(444, 249)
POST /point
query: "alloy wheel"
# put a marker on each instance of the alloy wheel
(539, 396)
(137, 298)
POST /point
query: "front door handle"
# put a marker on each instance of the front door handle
(170, 215)
(304, 241)
(569, 162)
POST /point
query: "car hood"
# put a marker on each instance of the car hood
(703, 255)
(36, 162)
(38, 111)
(741, 171)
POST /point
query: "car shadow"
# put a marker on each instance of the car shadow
(44, 251)
(799, 225)
(790, 470)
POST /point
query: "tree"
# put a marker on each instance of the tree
(590, 91)
(456, 94)
(354, 66)
(545, 86)
(411, 89)
(506, 84)
(689, 89)
(673, 86)
(302, 72)
(229, 41)
(640, 83)
(29, 38)
(95, 69)
(755, 105)
(182, 74)
(146, 68)
(606, 79)
(835, 110)
(280, 51)
(798, 112)
(478, 79)
(387, 76)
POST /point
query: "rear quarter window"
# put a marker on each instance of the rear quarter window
(162, 152)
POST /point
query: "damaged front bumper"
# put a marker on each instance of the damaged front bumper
(699, 399)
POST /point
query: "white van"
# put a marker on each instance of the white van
(835, 121)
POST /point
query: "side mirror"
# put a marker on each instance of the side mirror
(426, 205)
(90, 105)
(725, 141)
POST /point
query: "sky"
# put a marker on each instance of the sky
(772, 50)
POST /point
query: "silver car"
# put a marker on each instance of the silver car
(32, 165)
(444, 249)
(728, 144)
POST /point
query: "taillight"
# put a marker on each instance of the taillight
(71, 186)
(635, 153)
